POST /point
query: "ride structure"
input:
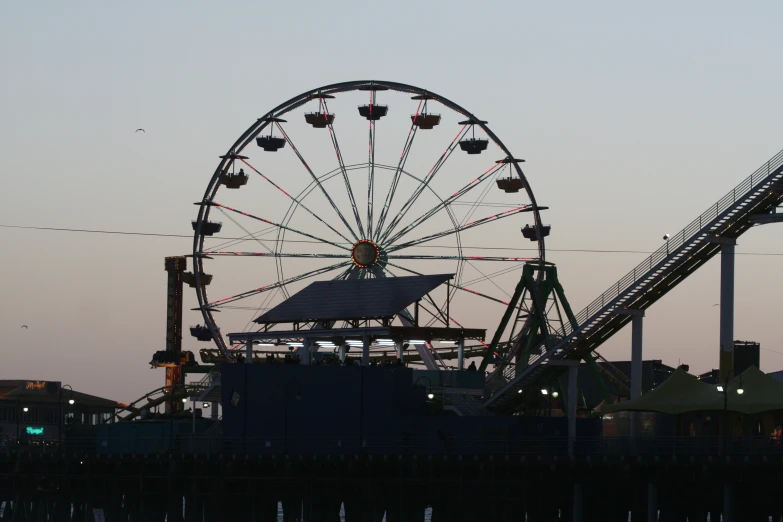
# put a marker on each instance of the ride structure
(363, 208)
(753, 202)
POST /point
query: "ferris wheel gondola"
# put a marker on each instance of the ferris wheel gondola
(386, 214)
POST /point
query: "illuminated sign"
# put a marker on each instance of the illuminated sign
(34, 430)
(35, 385)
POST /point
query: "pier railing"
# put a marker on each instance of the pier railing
(440, 444)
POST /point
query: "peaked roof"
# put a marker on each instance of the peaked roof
(353, 299)
(682, 393)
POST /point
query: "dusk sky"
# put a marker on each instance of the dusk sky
(632, 119)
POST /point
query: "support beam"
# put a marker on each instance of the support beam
(573, 371)
(765, 219)
(305, 351)
(728, 503)
(461, 354)
(248, 352)
(726, 306)
(652, 502)
(365, 350)
(636, 350)
(398, 348)
(577, 507)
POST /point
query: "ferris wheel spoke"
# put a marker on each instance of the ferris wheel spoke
(273, 254)
(371, 169)
(344, 172)
(472, 224)
(444, 203)
(379, 273)
(317, 181)
(398, 173)
(246, 231)
(297, 201)
(425, 183)
(460, 287)
(463, 258)
(294, 279)
(279, 225)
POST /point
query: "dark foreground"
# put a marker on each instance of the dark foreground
(459, 488)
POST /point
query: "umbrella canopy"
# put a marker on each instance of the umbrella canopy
(761, 393)
(683, 393)
(680, 393)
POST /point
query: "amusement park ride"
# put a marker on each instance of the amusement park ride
(380, 213)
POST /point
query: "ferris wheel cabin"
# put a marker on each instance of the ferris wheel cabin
(531, 233)
(270, 143)
(373, 112)
(208, 228)
(319, 120)
(189, 278)
(425, 121)
(234, 180)
(201, 333)
(474, 145)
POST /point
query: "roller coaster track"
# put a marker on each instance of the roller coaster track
(683, 254)
(159, 396)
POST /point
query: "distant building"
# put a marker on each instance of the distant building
(616, 376)
(33, 410)
(746, 354)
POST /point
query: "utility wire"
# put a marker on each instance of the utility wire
(246, 238)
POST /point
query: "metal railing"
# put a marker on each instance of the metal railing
(437, 444)
(711, 221)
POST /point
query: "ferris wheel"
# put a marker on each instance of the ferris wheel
(363, 179)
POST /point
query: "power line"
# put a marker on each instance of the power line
(246, 238)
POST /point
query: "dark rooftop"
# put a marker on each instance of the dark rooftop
(353, 299)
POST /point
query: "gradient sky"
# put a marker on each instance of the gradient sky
(633, 119)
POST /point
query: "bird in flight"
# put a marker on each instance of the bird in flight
(142, 130)
(25, 326)
(716, 304)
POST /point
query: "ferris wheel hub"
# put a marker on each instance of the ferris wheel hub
(365, 253)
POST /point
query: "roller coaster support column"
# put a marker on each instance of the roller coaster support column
(461, 354)
(728, 245)
(573, 372)
(636, 360)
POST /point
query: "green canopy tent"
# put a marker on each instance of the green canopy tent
(680, 393)
(683, 393)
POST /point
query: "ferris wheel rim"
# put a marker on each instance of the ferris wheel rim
(293, 103)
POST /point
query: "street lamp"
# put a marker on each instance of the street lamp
(430, 395)
(724, 389)
(62, 414)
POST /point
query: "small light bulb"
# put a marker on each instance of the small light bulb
(555, 394)
(740, 391)
(25, 409)
(544, 391)
(720, 388)
(71, 401)
(184, 399)
(519, 391)
(430, 396)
